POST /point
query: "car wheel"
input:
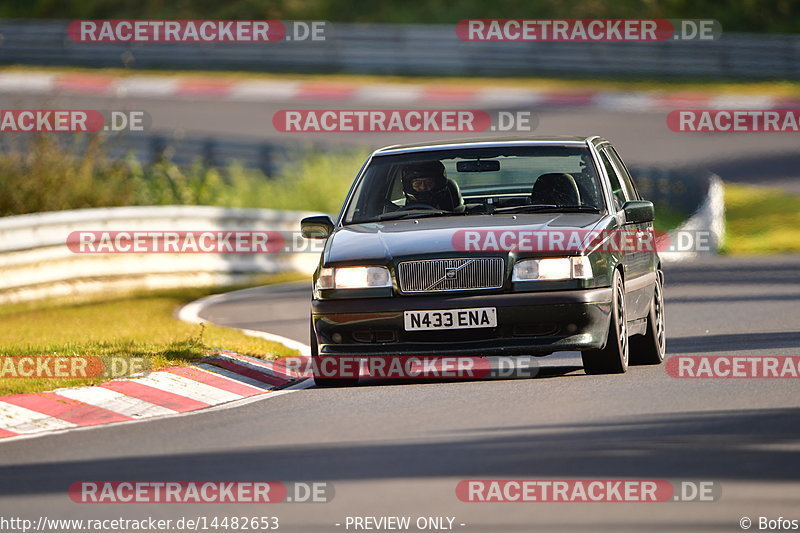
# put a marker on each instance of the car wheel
(650, 348)
(325, 381)
(613, 359)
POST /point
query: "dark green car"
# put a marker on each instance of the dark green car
(490, 247)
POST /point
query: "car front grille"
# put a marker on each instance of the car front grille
(436, 275)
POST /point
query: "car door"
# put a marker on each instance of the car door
(643, 260)
(636, 261)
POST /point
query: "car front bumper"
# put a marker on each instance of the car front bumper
(528, 323)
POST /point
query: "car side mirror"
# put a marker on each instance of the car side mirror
(318, 227)
(638, 211)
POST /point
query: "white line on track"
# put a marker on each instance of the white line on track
(191, 313)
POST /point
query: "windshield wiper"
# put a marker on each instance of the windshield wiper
(543, 208)
(412, 213)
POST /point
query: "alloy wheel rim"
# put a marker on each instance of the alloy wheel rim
(622, 330)
(660, 329)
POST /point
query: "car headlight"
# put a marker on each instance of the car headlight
(552, 268)
(353, 278)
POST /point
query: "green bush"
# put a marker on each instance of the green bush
(45, 175)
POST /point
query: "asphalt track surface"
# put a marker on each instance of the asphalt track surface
(401, 448)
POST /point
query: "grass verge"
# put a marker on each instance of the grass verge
(139, 324)
(760, 221)
(668, 219)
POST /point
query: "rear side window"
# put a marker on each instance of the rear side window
(618, 194)
(627, 182)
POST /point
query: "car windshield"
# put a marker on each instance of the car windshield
(513, 179)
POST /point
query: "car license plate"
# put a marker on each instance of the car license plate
(478, 317)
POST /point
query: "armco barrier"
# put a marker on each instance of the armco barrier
(35, 261)
(709, 216)
(697, 193)
(413, 49)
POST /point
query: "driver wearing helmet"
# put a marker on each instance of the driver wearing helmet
(426, 183)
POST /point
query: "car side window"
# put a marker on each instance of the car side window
(627, 181)
(618, 194)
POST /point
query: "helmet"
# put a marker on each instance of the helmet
(424, 182)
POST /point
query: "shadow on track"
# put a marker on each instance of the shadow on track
(759, 444)
(542, 372)
(733, 342)
(769, 271)
(743, 298)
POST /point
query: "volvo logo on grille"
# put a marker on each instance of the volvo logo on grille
(456, 274)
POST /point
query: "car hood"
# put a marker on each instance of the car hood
(382, 242)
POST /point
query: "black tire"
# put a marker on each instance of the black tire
(325, 381)
(650, 348)
(613, 358)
